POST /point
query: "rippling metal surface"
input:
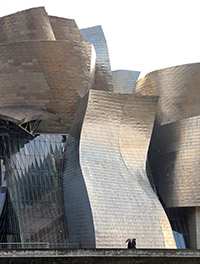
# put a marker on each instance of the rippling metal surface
(51, 74)
(113, 148)
(103, 76)
(124, 81)
(44, 74)
(173, 153)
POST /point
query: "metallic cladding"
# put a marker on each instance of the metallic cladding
(103, 76)
(65, 29)
(96, 179)
(96, 36)
(40, 73)
(47, 75)
(113, 166)
(173, 153)
(124, 81)
(26, 25)
(175, 163)
(79, 220)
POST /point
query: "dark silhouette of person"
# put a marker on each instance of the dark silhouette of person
(129, 244)
(133, 243)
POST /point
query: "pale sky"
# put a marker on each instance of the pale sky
(142, 35)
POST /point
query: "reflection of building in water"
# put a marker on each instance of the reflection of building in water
(74, 139)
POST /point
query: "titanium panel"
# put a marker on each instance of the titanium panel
(175, 162)
(47, 75)
(119, 192)
(103, 76)
(178, 90)
(30, 24)
(47, 72)
(173, 153)
(79, 221)
(96, 36)
(65, 29)
(124, 81)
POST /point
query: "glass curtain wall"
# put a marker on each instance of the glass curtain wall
(34, 188)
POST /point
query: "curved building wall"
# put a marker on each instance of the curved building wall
(178, 91)
(124, 81)
(119, 196)
(65, 29)
(79, 221)
(175, 162)
(173, 153)
(30, 24)
(103, 76)
(48, 75)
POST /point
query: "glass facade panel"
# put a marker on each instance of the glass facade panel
(34, 208)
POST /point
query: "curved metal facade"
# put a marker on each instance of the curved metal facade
(113, 159)
(175, 140)
(103, 76)
(173, 153)
(40, 73)
(124, 81)
(86, 185)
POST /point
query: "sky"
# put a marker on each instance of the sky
(142, 35)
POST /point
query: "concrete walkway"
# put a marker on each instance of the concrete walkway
(107, 256)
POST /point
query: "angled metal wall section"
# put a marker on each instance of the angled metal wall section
(47, 75)
(65, 29)
(40, 73)
(79, 220)
(119, 192)
(175, 162)
(173, 152)
(96, 36)
(103, 76)
(124, 81)
(26, 25)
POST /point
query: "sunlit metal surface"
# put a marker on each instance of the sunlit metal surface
(94, 178)
(103, 76)
(178, 90)
(26, 25)
(174, 156)
(44, 75)
(113, 148)
(124, 81)
(173, 153)
(65, 29)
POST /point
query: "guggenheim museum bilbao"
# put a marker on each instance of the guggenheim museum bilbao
(90, 157)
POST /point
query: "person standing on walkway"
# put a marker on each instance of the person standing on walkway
(133, 242)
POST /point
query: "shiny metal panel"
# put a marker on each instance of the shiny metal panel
(79, 220)
(175, 163)
(178, 90)
(103, 76)
(53, 76)
(112, 159)
(124, 81)
(65, 29)
(26, 25)
(173, 154)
